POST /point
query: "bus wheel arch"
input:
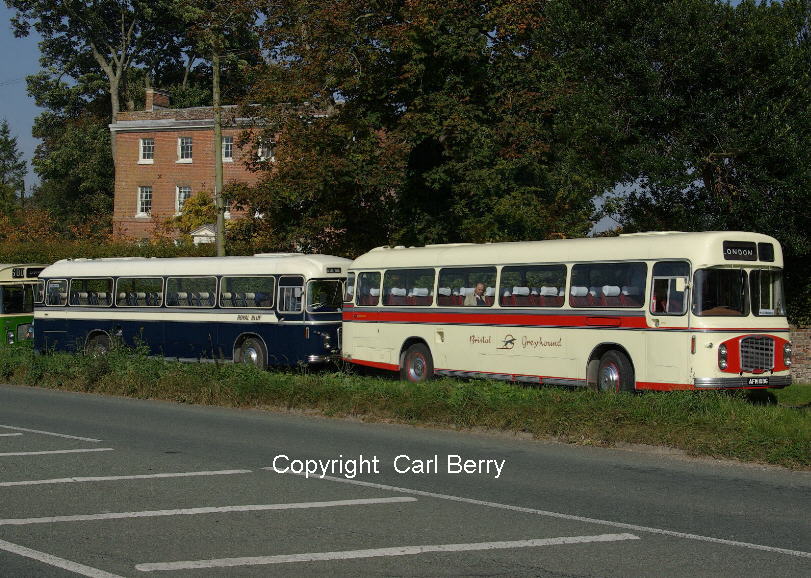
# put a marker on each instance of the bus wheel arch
(250, 348)
(416, 361)
(610, 367)
(98, 342)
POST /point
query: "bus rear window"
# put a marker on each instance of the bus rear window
(766, 287)
(720, 293)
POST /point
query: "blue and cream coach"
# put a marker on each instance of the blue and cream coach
(267, 309)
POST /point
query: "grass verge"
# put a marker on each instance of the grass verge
(700, 423)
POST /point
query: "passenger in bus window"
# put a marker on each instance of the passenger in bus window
(476, 299)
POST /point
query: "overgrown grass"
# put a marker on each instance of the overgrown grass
(701, 423)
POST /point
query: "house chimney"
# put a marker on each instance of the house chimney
(155, 99)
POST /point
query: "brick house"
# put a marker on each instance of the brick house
(163, 156)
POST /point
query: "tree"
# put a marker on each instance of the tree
(420, 122)
(198, 210)
(716, 104)
(12, 171)
(215, 26)
(110, 36)
(75, 166)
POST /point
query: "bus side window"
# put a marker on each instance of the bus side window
(532, 286)
(57, 292)
(247, 291)
(610, 285)
(462, 283)
(668, 288)
(408, 287)
(349, 288)
(291, 290)
(368, 290)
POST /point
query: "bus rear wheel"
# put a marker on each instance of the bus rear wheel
(615, 373)
(253, 352)
(418, 366)
(98, 345)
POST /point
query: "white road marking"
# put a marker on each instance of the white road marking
(118, 478)
(49, 433)
(195, 511)
(48, 452)
(10, 435)
(624, 526)
(74, 567)
(379, 552)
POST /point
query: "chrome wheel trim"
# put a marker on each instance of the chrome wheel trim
(416, 368)
(250, 355)
(609, 378)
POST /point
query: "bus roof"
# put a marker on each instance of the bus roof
(702, 249)
(260, 264)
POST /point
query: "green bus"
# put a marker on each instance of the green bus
(20, 288)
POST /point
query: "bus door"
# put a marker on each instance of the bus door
(287, 338)
(51, 325)
(667, 312)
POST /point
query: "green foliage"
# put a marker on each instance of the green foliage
(716, 103)
(76, 167)
(197, 211)
(420, 122)
(701, 423)
(12, 170)
(49, 251)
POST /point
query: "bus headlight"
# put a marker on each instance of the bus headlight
(722, 356)
(9, 337)
(787, 353)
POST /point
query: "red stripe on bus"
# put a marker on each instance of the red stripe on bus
(375, 364)
(496, 319)
(663, 386)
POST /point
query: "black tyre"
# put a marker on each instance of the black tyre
(417, 364)
(615, 373)
(98, 344)
(253, 351)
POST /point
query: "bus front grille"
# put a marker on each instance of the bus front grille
(757, 353)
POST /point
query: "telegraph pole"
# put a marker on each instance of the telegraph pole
(218, 200)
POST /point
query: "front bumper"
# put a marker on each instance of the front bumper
(742, 382)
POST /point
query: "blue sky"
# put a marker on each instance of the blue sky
(20, 57)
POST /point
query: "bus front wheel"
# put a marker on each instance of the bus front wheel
(615, 373)
(253, 352)
(417, 364)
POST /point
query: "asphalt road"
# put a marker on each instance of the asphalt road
(99, 486)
